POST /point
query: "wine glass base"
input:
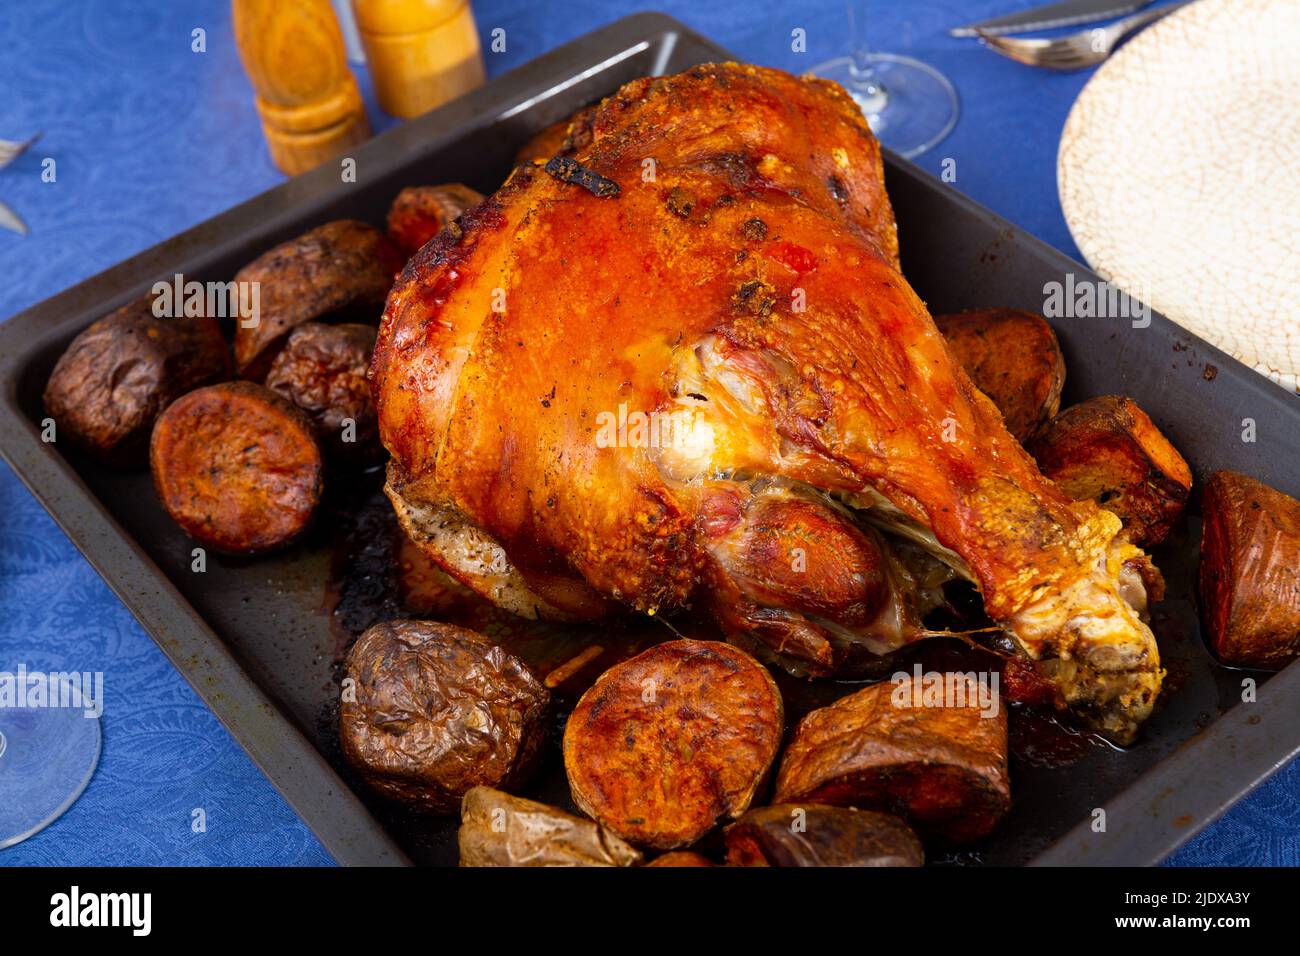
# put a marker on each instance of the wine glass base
(47, 757)
(920, 106)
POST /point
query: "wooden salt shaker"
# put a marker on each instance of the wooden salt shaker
(309, 103)
(420, 53)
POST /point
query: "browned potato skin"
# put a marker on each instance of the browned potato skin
(660, 772)
(681, 858)
(942, 769)
(1250, 571)
(497, 829)
(118, 375)
(830, 836)
(421, 212)
(323, 369)
(1013, 357)
(238, 467)
(342, 269)
(1107, 449)
(438, 710)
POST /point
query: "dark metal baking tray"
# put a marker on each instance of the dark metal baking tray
(254, 637)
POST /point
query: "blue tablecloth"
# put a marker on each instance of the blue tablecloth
(151, 138)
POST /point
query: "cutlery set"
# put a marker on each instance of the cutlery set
(1075, 51)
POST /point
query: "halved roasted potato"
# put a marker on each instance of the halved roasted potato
(817, 835)
(941, 766)
(1107, 449)
(669, 743)
(1013, 357)
(1250, 571)
(340, 271)
(681, 858)
(238, 467)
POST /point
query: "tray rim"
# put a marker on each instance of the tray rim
(1147, 829)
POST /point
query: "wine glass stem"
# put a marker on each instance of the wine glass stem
(867, 89)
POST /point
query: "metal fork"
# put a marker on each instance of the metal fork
(1078, 50)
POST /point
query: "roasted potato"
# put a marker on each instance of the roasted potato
(941, 768)
(342, 270)
(1250, 571)
(664, 745)
(323, 370)
(1013, 357)
(680, 858)
(421, 212)
(818, 835)
(497, 829)
(237, 466)
(1107, 449)
(118, 375)
(434, 710)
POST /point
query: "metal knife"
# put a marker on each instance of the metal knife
(1052, 15)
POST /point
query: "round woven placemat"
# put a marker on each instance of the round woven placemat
(1179, 176)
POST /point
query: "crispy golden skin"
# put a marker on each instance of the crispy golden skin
(238, 467)
(1250, 571)
(1107, 450)
(942, 768)
(666, 744)
(751, 287)
(1013, 357)
(779, 560)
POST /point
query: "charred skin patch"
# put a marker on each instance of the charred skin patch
(680, 202)
(754, 297)
(736, 169)
(839, 192)
(570, 171)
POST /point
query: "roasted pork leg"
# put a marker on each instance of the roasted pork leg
(721, 257)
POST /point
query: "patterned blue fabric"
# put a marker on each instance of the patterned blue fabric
(151, 138)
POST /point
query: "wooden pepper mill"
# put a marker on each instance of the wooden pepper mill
(420, 53)
(309, 103)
